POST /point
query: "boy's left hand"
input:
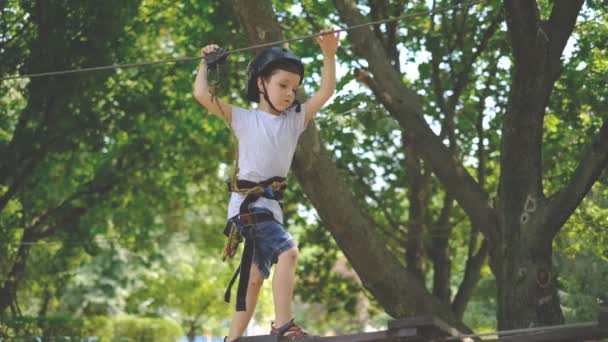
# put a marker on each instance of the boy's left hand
(328, 41)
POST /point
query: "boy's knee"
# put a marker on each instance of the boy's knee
(256, 281)
(291, 254)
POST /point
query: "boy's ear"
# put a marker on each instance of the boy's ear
(260, 85)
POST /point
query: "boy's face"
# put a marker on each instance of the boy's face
(281, 88)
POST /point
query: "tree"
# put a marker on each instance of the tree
(94, 155)
(38, 133)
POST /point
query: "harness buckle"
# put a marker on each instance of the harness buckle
(248, 219)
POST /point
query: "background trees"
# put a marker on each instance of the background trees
(454, 136)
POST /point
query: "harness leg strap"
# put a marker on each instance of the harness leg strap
(241, 293)
(243, 272)
(229, 288)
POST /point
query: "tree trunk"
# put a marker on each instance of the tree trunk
(527, 292)
(8, 292)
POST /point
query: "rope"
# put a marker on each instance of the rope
(252, 47)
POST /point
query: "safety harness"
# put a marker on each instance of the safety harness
(242, 227)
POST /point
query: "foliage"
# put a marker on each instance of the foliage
(124, 328)
(134, 152)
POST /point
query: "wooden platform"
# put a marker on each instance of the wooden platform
(433, 329)
(423, 328)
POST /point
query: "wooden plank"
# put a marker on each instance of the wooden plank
(429, 326)
(377, 336)
(259, 338)
(603, 318)
(422, 328)
(558, 335)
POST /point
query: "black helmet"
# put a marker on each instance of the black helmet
(262, 61)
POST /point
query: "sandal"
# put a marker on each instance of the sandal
(290, 330)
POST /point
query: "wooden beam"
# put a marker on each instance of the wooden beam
(582, 332)
(427, 326)
(431, 328)
(603, 318)
(416, 329)
(377, 336)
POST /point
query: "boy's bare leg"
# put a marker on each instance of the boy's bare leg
(283, 282)
(241, 319)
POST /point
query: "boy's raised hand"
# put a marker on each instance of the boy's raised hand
(208, 49)
(328, 41)
(202, 91)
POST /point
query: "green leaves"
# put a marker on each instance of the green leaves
(144, 163)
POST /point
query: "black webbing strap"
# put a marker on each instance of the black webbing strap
(242, 272)
(265, 93)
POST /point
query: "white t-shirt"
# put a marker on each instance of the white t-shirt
(266, 146)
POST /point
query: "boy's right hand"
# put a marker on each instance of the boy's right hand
(213, 54)
(201, 88)
(209, 49)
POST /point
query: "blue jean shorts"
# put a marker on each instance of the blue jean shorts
(271, 240)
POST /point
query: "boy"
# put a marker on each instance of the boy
(267, 139)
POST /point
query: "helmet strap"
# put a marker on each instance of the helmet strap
(265, 93)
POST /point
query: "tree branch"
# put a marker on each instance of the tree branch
(560, 27)
(472, 275)
(440, 253)
(417, 197)
(594, 162)
(462, 79)
(404, 105)
(432, 44)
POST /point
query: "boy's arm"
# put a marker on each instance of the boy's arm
(329, 45)
(202, 94)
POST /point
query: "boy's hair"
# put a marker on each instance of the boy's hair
(281, 64)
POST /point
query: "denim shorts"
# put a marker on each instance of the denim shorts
(271, 240)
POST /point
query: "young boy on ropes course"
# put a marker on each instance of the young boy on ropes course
(266, 141)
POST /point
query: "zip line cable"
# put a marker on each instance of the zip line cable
(252, 47)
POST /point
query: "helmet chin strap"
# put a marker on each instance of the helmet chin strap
(265, 93)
